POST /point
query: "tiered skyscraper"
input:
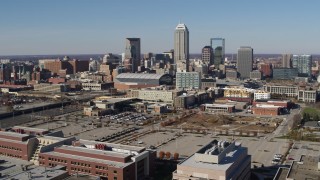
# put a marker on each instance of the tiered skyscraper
(286, 60)
(303, 63)
(181, 48)
(245, 61)
(133, 52)
(218, 47)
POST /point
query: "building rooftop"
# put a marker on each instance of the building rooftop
(30, 129)
(42, 173)
(307, 168)
(13, 141)
(139, 76)
(221, 105)
(94, 151)
(181, 26)
(13, 134)
(225, 164)
(113, 145)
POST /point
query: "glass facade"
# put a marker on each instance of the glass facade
(218, 46)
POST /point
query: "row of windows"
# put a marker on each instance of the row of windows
(11, 148)
(80, 170)
(10, 155)
(57, 160)
(80, 164)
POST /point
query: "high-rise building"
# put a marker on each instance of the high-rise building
(207, 55)
(218, 47)
(245, 61)
(181, 47)
(303, 63)
(188, 80)
(133, 52)
(286, 60)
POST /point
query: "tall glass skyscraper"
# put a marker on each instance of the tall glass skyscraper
(245, 61)
(218, 47)
(181, 47)
(303, 63)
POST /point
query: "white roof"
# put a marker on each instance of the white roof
(181, 26)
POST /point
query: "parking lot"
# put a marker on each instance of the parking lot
(302, 148)
(129, 117)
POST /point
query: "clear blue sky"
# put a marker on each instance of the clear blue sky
(30, 27)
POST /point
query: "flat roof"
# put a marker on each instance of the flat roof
(13, 141)
(307, 168)
(29, 128)
(40, 173)
(13, 134)
(225, 164)
(119, 146)
(221, 105)
(94, 151)
(89, 159)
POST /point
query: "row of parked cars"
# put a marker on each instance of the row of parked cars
(126, 117)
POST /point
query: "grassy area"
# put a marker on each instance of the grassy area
(312, 112)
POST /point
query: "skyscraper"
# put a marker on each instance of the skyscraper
(133, 52)
(207, 55)
(286, 60)
(218, 47)
(181, 47)
(245, 61)
(303, 63)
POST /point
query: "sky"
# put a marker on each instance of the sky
(42, 27)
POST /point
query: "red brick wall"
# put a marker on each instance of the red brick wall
(15, 150)
(265, 111)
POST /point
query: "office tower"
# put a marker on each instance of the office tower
(181, 47)
(286, 60)
(303, 63)
(207, 55)
(245, 61)
(133, 52)
(218, 47)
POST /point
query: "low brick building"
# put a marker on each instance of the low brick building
(266, 110)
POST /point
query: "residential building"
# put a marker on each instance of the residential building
(245, 61)
(287, 60)
(188, 80)
(216, 160)
(181, 48)
(303, 63)
(218, 46)
(133, 52)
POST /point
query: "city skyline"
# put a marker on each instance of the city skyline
(83, 27)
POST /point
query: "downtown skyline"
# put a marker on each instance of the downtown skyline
(85, 27)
